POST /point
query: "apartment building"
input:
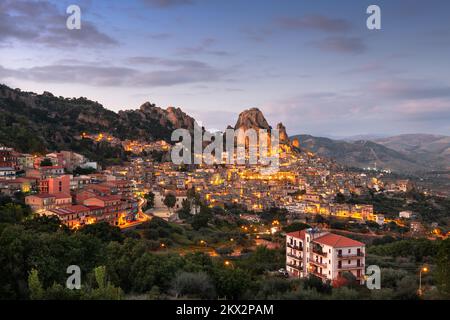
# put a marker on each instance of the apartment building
(324, 255)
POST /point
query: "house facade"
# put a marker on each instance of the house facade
(325, 255)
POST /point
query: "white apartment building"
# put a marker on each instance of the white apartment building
(323, 254)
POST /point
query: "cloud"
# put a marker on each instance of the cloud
(342, 44)
(410, 89)
(41, 22)
(167, 3)
(204, 47)
(314, 22)
(165, 72)
(167, 62)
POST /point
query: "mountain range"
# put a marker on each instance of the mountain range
(408, 153)
(31, 122)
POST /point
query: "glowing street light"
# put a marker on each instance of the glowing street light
(423, 269)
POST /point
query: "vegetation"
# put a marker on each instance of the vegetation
(36, 251)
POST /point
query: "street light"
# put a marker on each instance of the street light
(228, 263)
(423, 269)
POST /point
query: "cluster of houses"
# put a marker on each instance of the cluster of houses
(76, 200)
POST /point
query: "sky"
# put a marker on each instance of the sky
(313, 65)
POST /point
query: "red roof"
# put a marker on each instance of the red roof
(329, 239)
(297, 234)
(334, 240)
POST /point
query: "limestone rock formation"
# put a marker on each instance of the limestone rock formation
(252, 119)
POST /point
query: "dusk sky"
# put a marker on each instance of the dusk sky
(312, 65)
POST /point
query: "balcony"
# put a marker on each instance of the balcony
(295, 266)
(289, 254)
(317, 274)
(351, 267)
(317, 263)
(319, 252)
(293, 246)
(351, 255)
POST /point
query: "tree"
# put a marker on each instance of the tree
(200, 221)
(46, 162)
(150, 197)
(231, 283)
(103, 231)
(46, 224)
(197, 285)
(185, 211)
(340, 198)
(105, 290)
(169, 201)
(296, 226)
(443, 268)
(35, 285)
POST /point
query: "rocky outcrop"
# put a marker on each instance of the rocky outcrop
(27, 116)
(170, 117)
(252, 119)
(284, 138)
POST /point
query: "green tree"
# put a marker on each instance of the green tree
(35, 285)
(196, 285)
(105, 290)
(150, 197)
(103, 231)
(46, 162)
(231, 283)
(442, 272)
(169, 201)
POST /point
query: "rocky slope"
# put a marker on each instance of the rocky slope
(32, 122)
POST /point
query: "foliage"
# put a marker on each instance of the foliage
(443, 268)
(195, 285)
(103, 231)
(170, 200)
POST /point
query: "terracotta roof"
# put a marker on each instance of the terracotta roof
(62, 195)
(297, 234)
(42, 195)
(338, 241)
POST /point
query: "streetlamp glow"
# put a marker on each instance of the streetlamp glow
(423, 269)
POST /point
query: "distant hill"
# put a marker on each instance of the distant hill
(32, 122)
(362, 154)
(424, 148)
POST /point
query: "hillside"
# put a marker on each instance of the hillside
(32, 122)
(425, 148)
(361, 153)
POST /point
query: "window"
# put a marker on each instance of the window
(349, 262)
(349, 250)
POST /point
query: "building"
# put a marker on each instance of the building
(59, 184)
(7, 173)
(324, 255)
(405, 214)
(8, 159)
